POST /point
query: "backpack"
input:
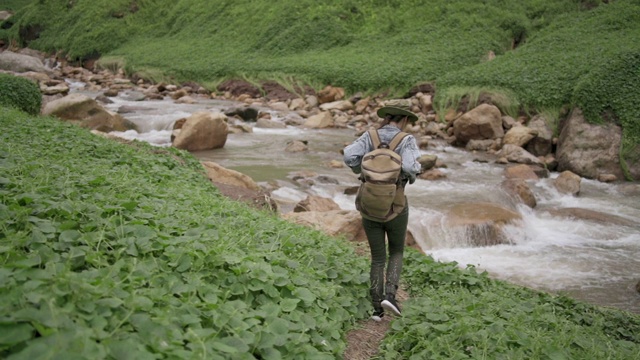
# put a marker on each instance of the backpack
(381, 194)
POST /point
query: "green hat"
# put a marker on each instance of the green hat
(396, 110)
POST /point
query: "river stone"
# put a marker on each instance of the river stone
(517, 154)
(347, 223)
(316, 203)
(520, 171)
(520, 190)
(202, 130)
(20, 63)
(592, 215)
(86, 112)
(587, 149)
(568, 183)
(542, 144)
(220, 174)
(319, 121)
(482, 222)
(519, 135)
(481, 123)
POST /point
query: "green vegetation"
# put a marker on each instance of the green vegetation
(112, 250)
(109, 249)
(456, 314)
(20, 93)
(550, 54)
(14, 5)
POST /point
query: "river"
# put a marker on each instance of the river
(588, 260)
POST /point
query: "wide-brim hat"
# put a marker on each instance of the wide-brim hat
(395, 110)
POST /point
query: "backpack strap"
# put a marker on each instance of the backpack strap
(397, 140)
(375, 138)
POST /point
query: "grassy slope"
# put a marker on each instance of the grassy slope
(110, 250)
(565, 55)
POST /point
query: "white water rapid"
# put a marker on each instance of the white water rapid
(589, 260)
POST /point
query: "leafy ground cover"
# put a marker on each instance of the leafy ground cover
(20, 93)
(126, 251)
(458, 314)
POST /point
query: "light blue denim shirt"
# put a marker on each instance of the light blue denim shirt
(408, 149)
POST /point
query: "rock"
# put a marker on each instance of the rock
(427, 162)
(86, 112)
(519, 136)
(246, 113)
(220, 174)
(482, 223)
(518, 189)
(342, 105)
(568, 183)
(589, 150)
(542, 144)
(522, 171)
(20, 63)
(347, 223)
(433, 174)
(330, 94)
(592, 215)
(319, 121)
(270, 124)
(316, 203)
(202, 130)
(517, 154)
(296, 146)
(607, 178)
(481, 123)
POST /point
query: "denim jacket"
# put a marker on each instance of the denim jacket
(408, 149)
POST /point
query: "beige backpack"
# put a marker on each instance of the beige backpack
(381, 194)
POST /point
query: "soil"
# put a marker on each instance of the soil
(271, 90)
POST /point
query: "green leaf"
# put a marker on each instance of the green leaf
(69, 236)
(288, 305)
(11, 334)
(305, 295)
(278, 326)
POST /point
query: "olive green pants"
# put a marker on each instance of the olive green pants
(395, 232)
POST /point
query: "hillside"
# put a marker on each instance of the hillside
(547, 56)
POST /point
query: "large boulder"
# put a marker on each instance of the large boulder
(220, 174)
(568, 183)
(20, 63)
(316, 203)
(481, 123)
(202, 130)
(347, 223)
(516, 154)
(587, 149)
(542, 144)
(86, 112)
(481, 223)
(519, 136)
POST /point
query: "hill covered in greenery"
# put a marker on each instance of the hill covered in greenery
(550, 55)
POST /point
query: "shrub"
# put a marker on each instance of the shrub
(20, 93)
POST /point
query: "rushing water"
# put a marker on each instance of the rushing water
(591, 261)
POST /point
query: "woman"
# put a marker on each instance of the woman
(383, 295)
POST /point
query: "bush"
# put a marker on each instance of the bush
(20, 93)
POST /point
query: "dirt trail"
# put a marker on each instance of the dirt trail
(363, 341)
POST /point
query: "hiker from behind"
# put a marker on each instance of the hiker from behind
(381, 200)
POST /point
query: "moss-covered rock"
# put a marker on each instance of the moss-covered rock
(20, 93)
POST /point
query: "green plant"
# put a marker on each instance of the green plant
(469, 97)
(109, 250)
(21, 93)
